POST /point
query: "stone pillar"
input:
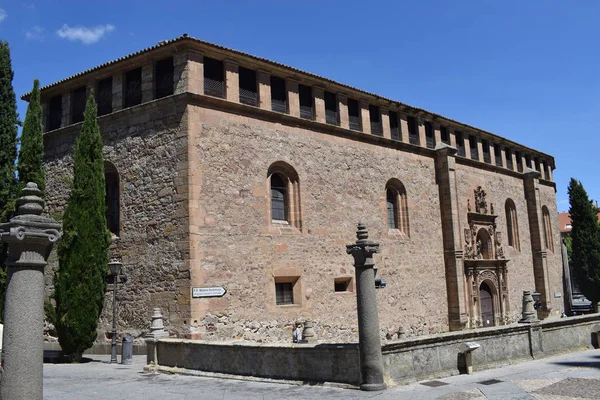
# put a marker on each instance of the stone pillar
(117, 93)
(529, 314)
(264, 90)
(365, 116)
(371, 360)
(385, 123)
(147, 82)
(319, 94)
(66, 110)
(293, 97)
(437, 133)
(232, 82)
(180, 73)
(343, 111)
(479, 149)
(538, 245)
(30, 238)
(195, 72)
(445, 170)
(157, 328)
(421, 130)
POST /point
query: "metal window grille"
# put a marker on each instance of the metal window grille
(444, 135)
(509, 160)
(284, 293)
(78, 104)
(112, 202)
(486, 152)
(133, 87)
(429, 137)
(460, 144)
(278, 95)
(278, 198)
(214, 77)
(473, 148)
(413, 131)
(331, 109)
(498, 155)
(354, 115)
(306, 102)
(163, 77)
(248, 87)
(392, 207)
(55, 113)
(375, 120)
(394, 126)
(104, 96)
(519, 161)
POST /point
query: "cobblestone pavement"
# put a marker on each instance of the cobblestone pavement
(575, 375)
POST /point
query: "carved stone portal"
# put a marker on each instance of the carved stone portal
(485, 266)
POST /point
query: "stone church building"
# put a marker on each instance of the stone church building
(224, 169)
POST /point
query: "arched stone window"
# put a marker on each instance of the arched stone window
(397, 206)
(284, 193)
(113, 209)
(547, 229)
(512, 225)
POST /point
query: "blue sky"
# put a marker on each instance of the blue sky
(526, 70)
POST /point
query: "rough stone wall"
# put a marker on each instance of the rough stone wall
(499, 188)
(342, 181)
(147, 144)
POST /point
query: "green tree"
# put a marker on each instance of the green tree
(585, 242)
(31, 153)
(9, 120)
(83, 250)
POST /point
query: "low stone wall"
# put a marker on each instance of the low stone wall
(404, 360)
(438, 356)
(304, 362)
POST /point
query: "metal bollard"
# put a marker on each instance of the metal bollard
(127, 350)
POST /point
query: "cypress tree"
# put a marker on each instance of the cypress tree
(9, 120)
(585, 236)
(31, 153)
(83, 250)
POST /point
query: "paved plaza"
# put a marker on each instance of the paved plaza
(575, 375)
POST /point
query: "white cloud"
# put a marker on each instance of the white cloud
(3, 14)
(35, 33)
(84, 34)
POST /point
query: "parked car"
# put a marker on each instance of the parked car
(581, 305)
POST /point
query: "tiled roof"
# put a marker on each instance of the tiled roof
(186, 37)
(564, 221)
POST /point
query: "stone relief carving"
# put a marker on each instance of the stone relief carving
(468, 244)
(480, 202)
(490, 276)
(499, 249)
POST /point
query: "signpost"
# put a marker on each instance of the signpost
(214, 291)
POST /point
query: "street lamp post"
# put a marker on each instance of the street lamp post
(115, 270)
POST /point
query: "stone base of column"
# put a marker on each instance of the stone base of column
(373, 387)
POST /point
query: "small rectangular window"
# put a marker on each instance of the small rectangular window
(284, 293)
(163, 78)
(498, 155)
(55, 113)
(460, 144)
(133, 87)
(413, 130)
(546, 170)
(519, 161)
(486, 152)
(473, 147)
(306, 102)
(342, 284)
(429, 135)
(331, 109)
(78, 104)
(214, 77)
(104, 96)
(375, 119)
(394, 125)
(509, 160)
(536, 164)
(248, 87)
(354, 115)
(278, 95)
(444, 135)
(528, 161)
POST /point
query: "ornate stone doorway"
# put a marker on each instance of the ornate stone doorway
(486, 272)
(486, 302)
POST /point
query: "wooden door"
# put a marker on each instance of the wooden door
(487, 305)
